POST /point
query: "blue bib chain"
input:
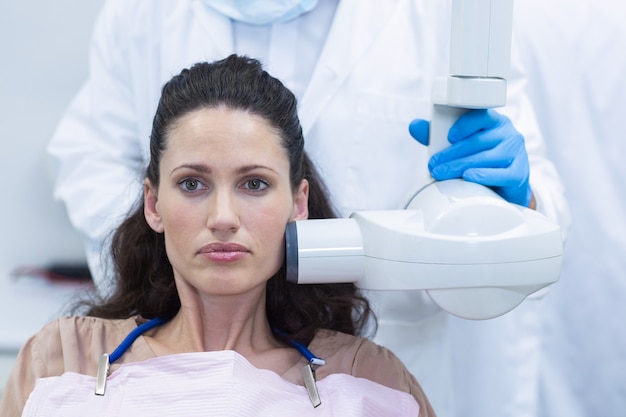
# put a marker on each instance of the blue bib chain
(106, 360)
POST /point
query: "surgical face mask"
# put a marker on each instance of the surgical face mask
(262, 12)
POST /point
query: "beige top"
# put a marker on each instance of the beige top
(74, 344)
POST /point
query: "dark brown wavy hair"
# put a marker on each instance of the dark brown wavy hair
(144, 278)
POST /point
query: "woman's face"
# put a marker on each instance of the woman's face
(223, 201)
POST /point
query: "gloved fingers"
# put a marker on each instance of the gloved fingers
(488, 150)
(455, 162)
(511, 183)
(457, 167)
(475, 144)
(469, 124)
(419, 129)
(493, 177)
(475, 121)
(512, 189)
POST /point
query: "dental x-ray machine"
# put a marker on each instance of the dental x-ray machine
(475, 254)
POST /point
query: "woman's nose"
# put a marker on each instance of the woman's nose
(223, 215)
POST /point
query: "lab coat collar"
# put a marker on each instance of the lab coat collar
(356, 25)
(215, 23)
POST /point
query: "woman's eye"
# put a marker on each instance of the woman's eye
(190, 184)
(256, 184)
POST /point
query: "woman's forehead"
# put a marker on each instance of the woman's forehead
(235, 122)
(221, 133)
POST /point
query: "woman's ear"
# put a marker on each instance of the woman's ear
(151, 207)
(301, 202)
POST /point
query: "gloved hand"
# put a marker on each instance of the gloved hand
(485, 149)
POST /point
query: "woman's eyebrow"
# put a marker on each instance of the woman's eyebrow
(247, 168)
(204, 169)
(201, 168)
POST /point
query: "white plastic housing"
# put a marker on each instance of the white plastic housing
(505, 252)
(476, 255)
(480, 39)
(324, 251)
(480, 54)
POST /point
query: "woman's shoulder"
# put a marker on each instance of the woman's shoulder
(354, 355)
(77, 329)
(74, 343)
(362, 358)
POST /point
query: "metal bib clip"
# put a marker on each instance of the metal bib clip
(103, 372)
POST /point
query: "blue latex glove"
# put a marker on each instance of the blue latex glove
(485, 149)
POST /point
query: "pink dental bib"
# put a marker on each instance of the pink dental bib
(219, 383)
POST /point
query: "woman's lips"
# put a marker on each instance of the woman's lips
(224, 252)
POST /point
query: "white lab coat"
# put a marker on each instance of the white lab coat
(373, 76)
(575, 49)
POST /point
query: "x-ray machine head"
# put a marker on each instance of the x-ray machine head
(475, 254)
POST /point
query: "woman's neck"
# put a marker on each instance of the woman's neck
(210, 323)
(205, 324)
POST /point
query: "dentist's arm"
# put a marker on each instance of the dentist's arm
(97, 145)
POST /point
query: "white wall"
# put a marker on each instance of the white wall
(43, 60)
